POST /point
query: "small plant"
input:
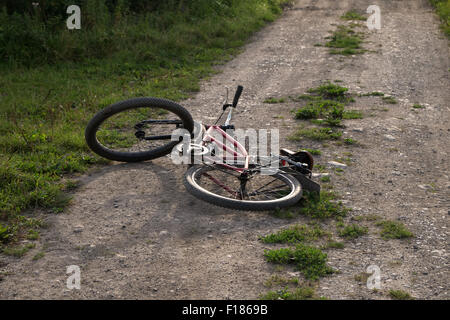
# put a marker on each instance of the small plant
(400, 295)
(314, 152)
(329, 90)
(352, 231)
(418, 106)
(373, 94)
(333, 245)
(18, 251)
(345, 41)
(390, 100)
(362, 277)
(276, 280)
(353, 15)
(39, 255)
(393, 230)
(350, 141)
(275, 100)
(309, 260)
(314, 133)
(294, 234)
(323, 206)
(302, 293)
(325, 179)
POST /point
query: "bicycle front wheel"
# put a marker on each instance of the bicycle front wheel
(227, 188)
(137, 129)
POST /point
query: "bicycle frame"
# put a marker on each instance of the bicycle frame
(238, 153)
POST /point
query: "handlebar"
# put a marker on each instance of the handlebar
(237, 95)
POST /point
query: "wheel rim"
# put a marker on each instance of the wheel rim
(138, 130)
(226, 184)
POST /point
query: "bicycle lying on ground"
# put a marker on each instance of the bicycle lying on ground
(142, 129)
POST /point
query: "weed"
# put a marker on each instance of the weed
(314, 152)
(302, 293)
(353, 15)
(309, 260)
(319, 134)
(362, 277)
(389, 100)
(39, 255)
(275, 100)
(374, 94)
(323, 206)
(350, 141)
(400, 295)
(352, 231)
(443, 10)
(333, 245)
(345, 41)
(418, 106)
(294, 234)
(325, 179)
(393, 230)
(276, 280)
(18, 251)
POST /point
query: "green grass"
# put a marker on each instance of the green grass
(400, 295)
(44, 107)
(373, 94)
(302, 293)
(314, 152)
(333, 245)
(325, 179)
(418, 106)
(324, 206)
(345, 41)
(295, 234)
(311, 261)
(350, 141)
(275, 100)
(443, 10)
(39, 255)
(390, 100)
(352, 231)
(393, 230)
(18, 251)
(353, 15)
(318, 134)
(276, 280)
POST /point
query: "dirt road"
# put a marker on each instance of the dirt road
(136, 233)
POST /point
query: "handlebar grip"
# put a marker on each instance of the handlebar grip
(237, 95)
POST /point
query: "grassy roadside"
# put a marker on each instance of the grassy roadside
(44, 107)
(443, 10)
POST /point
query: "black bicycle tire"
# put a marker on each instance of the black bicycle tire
(205, 195)
(102, 115)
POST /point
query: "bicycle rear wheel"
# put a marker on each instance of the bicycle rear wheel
(227, 188)
(137, 129)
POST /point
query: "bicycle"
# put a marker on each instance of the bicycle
(142, 129)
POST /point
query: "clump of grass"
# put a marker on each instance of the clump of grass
(345, 41)
(333, 245)
(389, 100)
(18, 251)
(373, 94)
(319, 134)
(276, 280)
(294, 234)
(400, 295)
(322, 206)
(352, 231)
(302, 293)
(275, 100)
(314, 152)
(329, 90)
(362, 277)
(325, 179)
(39, 255)
(353, 15)
(352, 114)
(418, 106)
(393, 230)
(350, 141)
(311, 261)
(443, 10)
